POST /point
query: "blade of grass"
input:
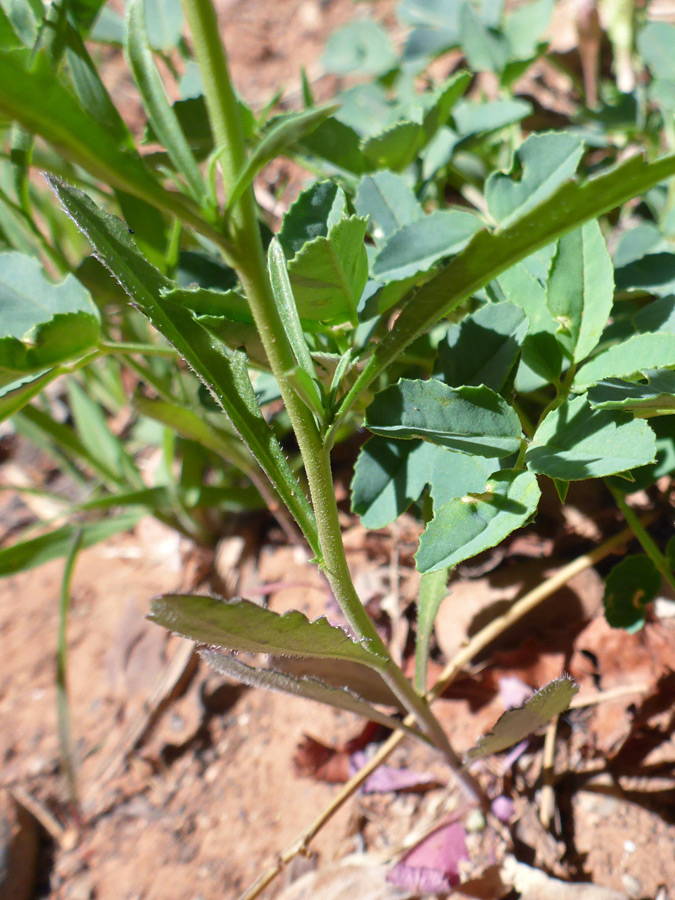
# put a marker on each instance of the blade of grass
(162, 117)
(68, 761)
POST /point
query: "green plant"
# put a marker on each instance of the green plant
(489, 344)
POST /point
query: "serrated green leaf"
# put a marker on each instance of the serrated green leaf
(653, 273)
(395, 147)
(389, 203)
(30, 554)
(486, 49)
(363, 47)
(242, 625)
(656, 398)
(655, 42)
(328, 274)
(463, 527)
(643, 477)
(515, 725)
(415, 248)
(575, 442)
(469, 419)
(455, 474)
(338, 144)
(312, 215)
(41, 323)
(629, 588)
(444, 99)
(389, 476)
(164, 21)
(472, 118)
(542, 163)
(225, 375)
(303, 686)
(638, 353)
(483, 347)
(580, 289)
(525, 26)
(281, 132)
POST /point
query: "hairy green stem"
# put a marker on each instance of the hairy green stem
(249, 261)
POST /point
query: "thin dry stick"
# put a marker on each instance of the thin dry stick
(482, 639)
(605, 696)
(547, 805)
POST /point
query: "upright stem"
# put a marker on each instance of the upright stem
(249, 260)
(642, 535)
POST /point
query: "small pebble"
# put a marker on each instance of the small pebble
(475, 821)
(629, 847)
(632, 886)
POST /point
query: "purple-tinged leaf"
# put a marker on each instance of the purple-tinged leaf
(387, 778)
(432, 866)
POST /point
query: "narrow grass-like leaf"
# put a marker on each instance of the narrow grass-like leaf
(515, 725)
(36, 552)
(93, 430)
(225, 375)
(195, 427)
(242, 625)
(12, 401)
(38, 101)
(288, 311)
(433, 590)
(575, 442)
(463, 527)
(470, 419)
(155, 101)
(58, 439)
